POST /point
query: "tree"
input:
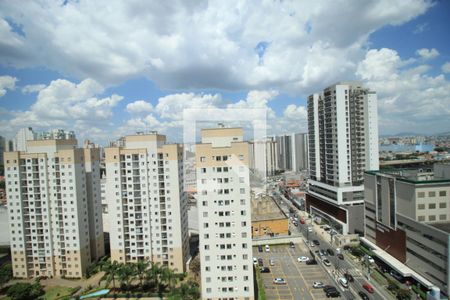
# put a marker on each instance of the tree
(168, 276)
(141, 267)
(125, 274)
(110, 269)
(25, 291)
(152, 274)
(403, 294)
(6, 274)
(186, 291)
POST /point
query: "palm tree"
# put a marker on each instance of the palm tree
(110, 269)
(152, 274)
(125, 274)
(168, 276)
(140, 268)
(187, 291)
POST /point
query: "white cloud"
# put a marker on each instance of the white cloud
(421, 28)
(408, 98)
(446, 67)
(172, 106)
(32, 88)
(139, 107)
(67, 105)
(427, 53)
(182, 44)
(7, 83)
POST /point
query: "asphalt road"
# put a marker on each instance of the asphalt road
(338, 266)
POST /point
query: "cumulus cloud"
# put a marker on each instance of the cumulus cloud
(7, 83)
(66, 104)
(427, 53)
(406, 96)
(446, 67)
(181, 45)
(139, 107)
(32, 88)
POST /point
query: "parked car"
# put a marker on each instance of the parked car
(368, 287)
(311, 244)
(326, 262)
(316, 242)
(322, 252)
(279, 281)
(338, 250)
(311, 262)
(342, 281)
(310, 229)
(260, 248)
(260, 262)
(302, 221)
(267, 248)
(318, 285)
(295, 223)
(291, 244)
(349, 277)
(255, 261)
(271, 262)
(303, 258)
(363, 295)
(265, 270)
(331, 291)
(330, 252)
(340, 256)
(369, 259)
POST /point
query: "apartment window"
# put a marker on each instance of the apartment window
(242, 191)
(241, 157)
(218, 158)
(421, 218)
(421, 206)
(443, 205)
(242, 201)
(442, 217)
(432, 205)
(224, 158)
(432, 194)
(203, 170)
(442, 193)
(421, 195)
(432, 218)
(202, 158)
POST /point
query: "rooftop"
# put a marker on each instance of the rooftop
(440, 173)
(265, 208)
(441, 226)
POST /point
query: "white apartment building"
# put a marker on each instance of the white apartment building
(21, 138)
(224, 210)
(343, 143)
(263, 156)
(146, 202)
(54, 209)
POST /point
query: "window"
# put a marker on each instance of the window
(432, 205)
(442, 217)
(432, 194)
(432, 218)
(442, 193)
(442, 205)
(241, 157)
(202, 158)
(242, 191)
(421, 206)
(421, 195)
(421, 218)
(203, 170)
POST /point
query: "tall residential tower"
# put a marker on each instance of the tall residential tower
(146, 202)
(343, 143)
(54, 208)
(222, 161)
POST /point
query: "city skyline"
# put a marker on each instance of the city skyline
(271, 56)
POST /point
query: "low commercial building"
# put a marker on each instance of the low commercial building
(268, 219)
(407, 217)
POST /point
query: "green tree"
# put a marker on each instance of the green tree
(168, 277)
(126, 274)
(195, 267)
(110, 269)
(141, 268)
(6, 273)
(25, 291)
(403, 294)
(152, 274)
(186, 291)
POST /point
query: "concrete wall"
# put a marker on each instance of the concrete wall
(263, 228)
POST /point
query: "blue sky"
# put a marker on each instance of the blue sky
(111, 68)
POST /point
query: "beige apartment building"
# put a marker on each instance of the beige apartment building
(146, 203)
(222, 161)
(54, 208)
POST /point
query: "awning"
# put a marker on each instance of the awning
(397, 265)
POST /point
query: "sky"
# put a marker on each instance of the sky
(109, 68)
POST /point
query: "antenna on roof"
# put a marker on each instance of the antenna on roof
(221, 125)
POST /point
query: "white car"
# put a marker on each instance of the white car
(279, 281)
(343, 282)
(267, 248)
(326, 262)
(318, 285)
(303, 258)
(370, 259)
(255, 261)
(310, 229)
(311, 244)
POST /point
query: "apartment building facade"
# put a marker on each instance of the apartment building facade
(407, 213)
(54, 209)
(222, 161)
(146, 202)
(343, 143)
(264, 156)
